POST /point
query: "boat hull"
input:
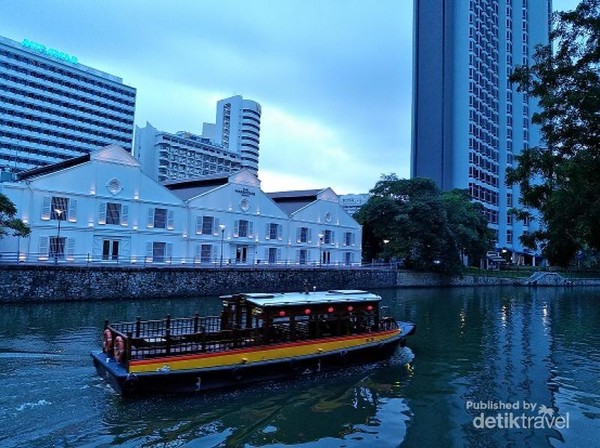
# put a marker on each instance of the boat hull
(202, 373)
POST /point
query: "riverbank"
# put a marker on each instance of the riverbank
(24, 283)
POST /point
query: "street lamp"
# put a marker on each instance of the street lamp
(385, 243)
(59, 213)
(321, 236)
(222, 227)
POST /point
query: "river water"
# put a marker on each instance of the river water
(488, 367)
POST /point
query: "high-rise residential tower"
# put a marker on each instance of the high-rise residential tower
(469, 121)
(237, 129)
(53, 108)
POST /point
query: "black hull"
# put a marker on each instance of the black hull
(204, 380)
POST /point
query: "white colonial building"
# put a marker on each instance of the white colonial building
(230, 215)
(103, 207)
(320, 230)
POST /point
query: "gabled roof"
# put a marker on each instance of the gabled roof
(110, 153)
(190, 188)
(115, 154)
(292, 201)
(47, 169)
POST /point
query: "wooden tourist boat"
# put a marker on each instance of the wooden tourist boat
(258, 337)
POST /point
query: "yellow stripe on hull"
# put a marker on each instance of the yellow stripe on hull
(257, 354)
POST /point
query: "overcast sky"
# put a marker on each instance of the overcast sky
(333, 76)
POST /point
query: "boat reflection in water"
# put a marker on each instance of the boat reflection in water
(358, 406)
(257, 337)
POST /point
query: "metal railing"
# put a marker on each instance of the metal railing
(32, 258)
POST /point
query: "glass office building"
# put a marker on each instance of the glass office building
(469, 121)
(52, 108)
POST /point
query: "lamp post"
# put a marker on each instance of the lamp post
(321, 249)
(59, 213)
(385, 243)
(222, 227)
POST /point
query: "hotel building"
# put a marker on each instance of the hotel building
(183, 155)
(52, 108)
(469, 121)
(230, 144)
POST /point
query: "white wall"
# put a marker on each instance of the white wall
(256, 230)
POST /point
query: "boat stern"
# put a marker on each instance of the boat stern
(406, 329)
(111, 371)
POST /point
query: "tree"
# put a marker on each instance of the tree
(8, 221)
(426, 228)
(561, 180)
(467, 224)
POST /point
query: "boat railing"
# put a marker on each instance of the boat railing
(388, 323)
(203, 341)
(160, 327)
(167, 337)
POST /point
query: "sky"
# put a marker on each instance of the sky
(333, 77)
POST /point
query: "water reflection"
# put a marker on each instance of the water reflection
(520, 345)
(357, 407)
(472, 345)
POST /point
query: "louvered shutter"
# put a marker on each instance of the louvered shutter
(170, 219)
(150, 223)
(125, 215)
(46, 203)
(70, 249)
(43, 248)
(102, 213)
(149, 254)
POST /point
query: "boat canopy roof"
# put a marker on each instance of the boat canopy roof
(312, 298)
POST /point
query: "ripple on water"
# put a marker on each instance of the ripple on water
(31, 405)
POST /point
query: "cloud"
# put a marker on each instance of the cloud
(333, 77)
(309, 155)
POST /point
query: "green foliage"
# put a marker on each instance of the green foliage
(561, 180)
(8, 220)
(424, 227)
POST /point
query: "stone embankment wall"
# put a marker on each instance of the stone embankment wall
(55, 283)
(32, 283)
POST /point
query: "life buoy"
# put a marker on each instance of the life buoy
(119, 350)
(107, 341)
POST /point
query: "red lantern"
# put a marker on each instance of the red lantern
(330, 309)
(281, 313)
(350, 308)
(369, 308)
(307, 311)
